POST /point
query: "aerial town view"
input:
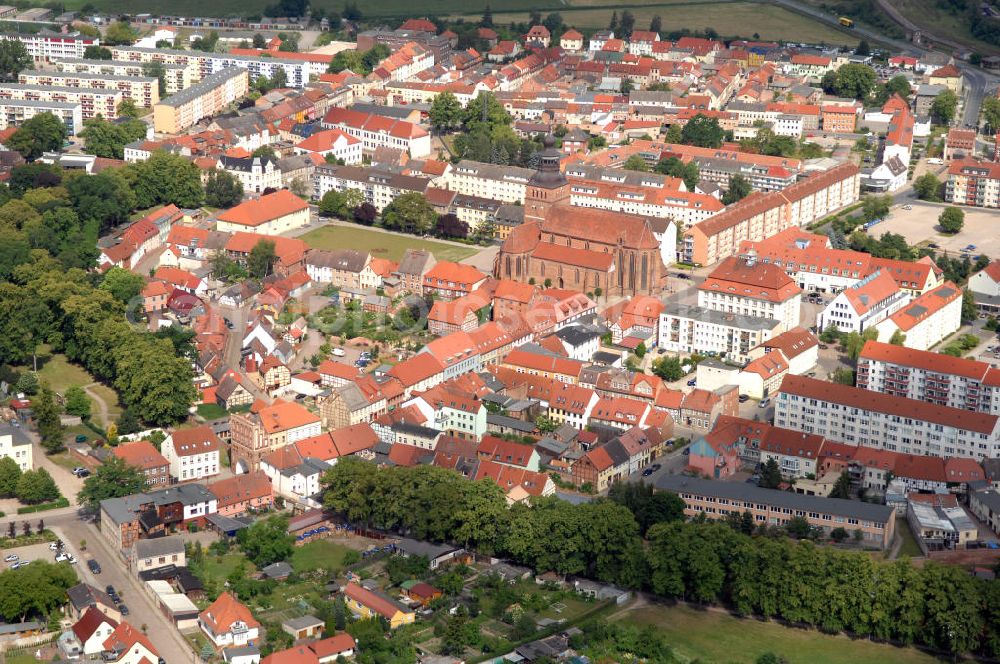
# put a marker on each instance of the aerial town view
(532, 332)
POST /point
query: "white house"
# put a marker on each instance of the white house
(926, 320)
(227, 622)
(863, 305)
(16, 446)
(92, 630)
(193, 453)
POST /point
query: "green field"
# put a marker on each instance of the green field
(381, 245)
(321, 554)
(727, 18)
(59, 373)
(245, 8)
(710, 636)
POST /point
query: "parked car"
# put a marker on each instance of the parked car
(338, 352)
(764, 403)
(55, 546)
(94, 566)
(11, 557)
(744, 398)
(647, 472)
(823, 346)
(65, 558)
(655, 467)
(123, 609)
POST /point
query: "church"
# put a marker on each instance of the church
(581, 248)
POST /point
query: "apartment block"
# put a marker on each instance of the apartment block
(716, 500)
(973, 182)
(212, 95)
(379, 187)
(750, 288)
(687, 329)
(48, 46)
(176, 77)
(501, 183)
(92, 101)
(955, 382)
(143, 90)
(376, 131)
(14, 113)
(858, 416)
(206, 64)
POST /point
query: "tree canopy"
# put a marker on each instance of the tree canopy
(112, 479)
(41, 133)
(14, 58)
(267, 541)
(703, 131)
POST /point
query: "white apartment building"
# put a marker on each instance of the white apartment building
(955, 382)
(747, 287)
(16, 446)
(378, 187)
(376, 131)
(500, 183)
(256, 173)
(857, 416)
(296, 72)
(926, 320)
(15, 112)
(48, 46)
(863, 305)
(176, 77)
(143, 90)
(686, 329)
(972, 182)
(92, 101)
(193, 454)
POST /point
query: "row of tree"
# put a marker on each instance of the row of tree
(708, 562)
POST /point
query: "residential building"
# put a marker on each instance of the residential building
(858, 416)
(143, 455)
(209, 96)
(93, 101)
(985, 504)
(256, 174)
(271, 214)
(254, 434)
(143, 90)
(377, 131)
(92, 630)
(451, 280)
(47, 46)
(227, 622)
(243, 494)
(985, 288)
(128, 645)
(863, 305)
(332, 142)
(369, 604)
(14, 113)
(691, 329)
(748, 287)
(206, 64)
(14, 444)
(488, 181)
(338, 267)
(973, 182)
(176, 77)
(379, 187)
(926, 320)
(193, 454)
(716, 500)
(157, 553)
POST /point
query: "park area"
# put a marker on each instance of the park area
(919, 227)
(716, 636)
(380, 244)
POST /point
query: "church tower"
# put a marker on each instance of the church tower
(548, 186)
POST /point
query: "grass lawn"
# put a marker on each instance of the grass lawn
(321, 554)
(59, 373)
(728, 18)
(381, 245)
(718, 637)
(110, 399)
(211, 411)
(910, 546)
(220, 567)
(65, 460)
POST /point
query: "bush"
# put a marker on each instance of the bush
(44, 507)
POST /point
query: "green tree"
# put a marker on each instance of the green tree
(262, 258)
(341, 204)
(854, 80)
(166, 178)
(674, 167)
(951, 220)
(153, 380)
(120, 32)
(739, 188)
(897, 338)
(842, 487)
(156, 69)
(27, 383)
(105, 198)
(990, 112)
(770, 475)
(36, 486)
(46, 414)
(222, 189)
(10, 473)
(545, 424)
(108, 139)
(863, 48)
(41, 133)
(703, 131)
(668, 368)
(97, 53)
(969, 310)
(24, 320)
(77, 402)
(36, 591)
(14, 58)
(844, 376)
(267, 541)
(854, 342)
(944, 107)
(446, 112)
(259, 41)
(927, 187)
(123, 284)
(112, 479)
(127, 108)
(635, 163)
(409, 213)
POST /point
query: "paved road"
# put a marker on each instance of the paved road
(160, 630)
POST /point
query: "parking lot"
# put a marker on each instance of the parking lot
(33, 553)
(919, 225)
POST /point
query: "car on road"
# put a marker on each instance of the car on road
(19, 564)
(109, 589)
(228, 323)
(94, 566)
(764, 403)
(55, 546)
(744, 398)
(934, 245)
(647, 472)
(907, 207)
(338, 352)
(681, 275)
(65, 558)
(692, 382)
(655, 467)
(80, 471)
(124, 609)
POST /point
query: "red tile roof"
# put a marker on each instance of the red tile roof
(756, 280)
(266, 208)
(876, 351)
(225, 611)
(142, 454)
(380, 605)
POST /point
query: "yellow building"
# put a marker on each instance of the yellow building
(206, 98)
(368, 604)
(271, 214)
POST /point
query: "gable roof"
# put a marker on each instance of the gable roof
(88, 623)
(224, 612)
(267, 208)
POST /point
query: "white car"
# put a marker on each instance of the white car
(11, 557)
(65, 558)
(53, 546)
(20, 564)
